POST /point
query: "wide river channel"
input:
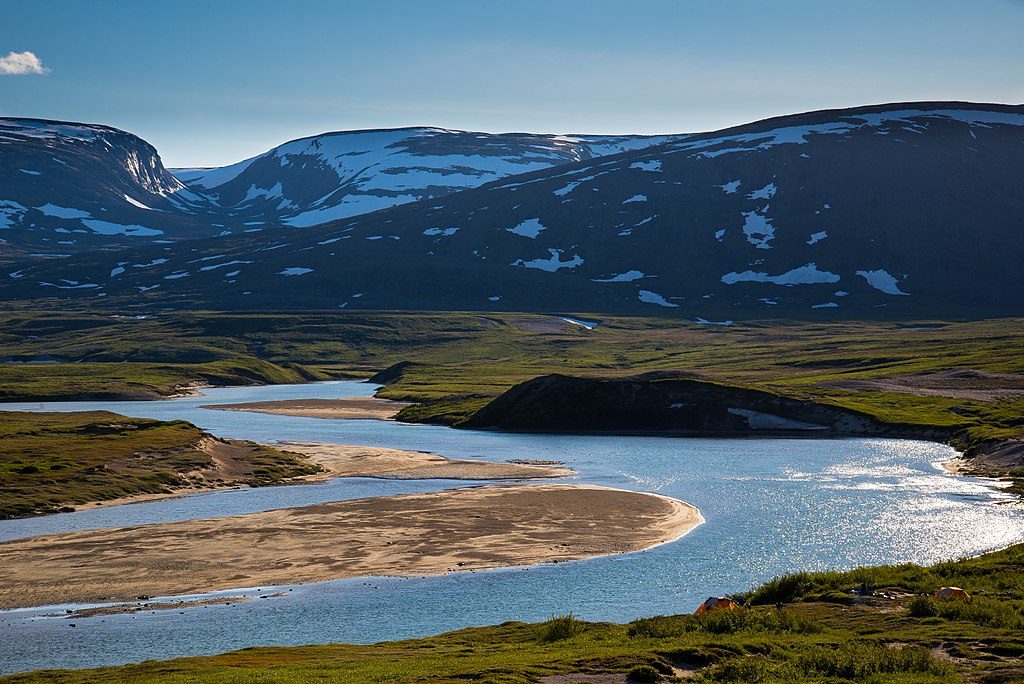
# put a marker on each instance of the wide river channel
(772, 506)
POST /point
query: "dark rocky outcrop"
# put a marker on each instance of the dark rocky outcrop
(670, 404)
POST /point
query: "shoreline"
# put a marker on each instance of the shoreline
(402, 536)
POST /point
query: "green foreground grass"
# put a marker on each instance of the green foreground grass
(50, 462)
(818, 635)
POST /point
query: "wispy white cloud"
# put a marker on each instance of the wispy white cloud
(21, 63)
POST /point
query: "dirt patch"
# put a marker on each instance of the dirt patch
(959, 383)
(422, 534)
(582, 678)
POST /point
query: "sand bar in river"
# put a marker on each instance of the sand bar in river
(409, 535)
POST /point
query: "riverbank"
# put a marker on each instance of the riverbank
(409, 535)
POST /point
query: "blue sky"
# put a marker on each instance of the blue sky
(212, 82)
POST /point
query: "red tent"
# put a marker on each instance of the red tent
(716, 603)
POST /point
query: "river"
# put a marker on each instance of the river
(772, 506)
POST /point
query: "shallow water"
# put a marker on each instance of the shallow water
(772, 506)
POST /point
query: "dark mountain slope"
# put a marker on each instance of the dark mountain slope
(907, 209)
(68, 187)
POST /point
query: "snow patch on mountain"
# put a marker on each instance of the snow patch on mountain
(551, 264)
(648, 297)
(350, 205)
(626, 277)
(214, 267)
(530, 228)
(758, 229)
(63, 212)
(652, 166)
(882, 280)
(444, 232)
(137, 203)
(767, 192)
(804, 275)
(111, 228)
(10, 211)
(588, 325)
(569, 187)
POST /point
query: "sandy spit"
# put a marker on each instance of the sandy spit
(420, 534)
(342, 460)
(354, 408)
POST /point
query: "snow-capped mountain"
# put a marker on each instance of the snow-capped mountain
(901, 210)
(66, 187)
(331, 176)
(70, 187)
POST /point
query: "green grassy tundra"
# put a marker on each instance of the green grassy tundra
(51, 462)
(463, 360)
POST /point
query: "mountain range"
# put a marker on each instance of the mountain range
(909, 209)
(326, 177)
(70, 187)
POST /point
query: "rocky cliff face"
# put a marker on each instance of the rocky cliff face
(70, 187)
